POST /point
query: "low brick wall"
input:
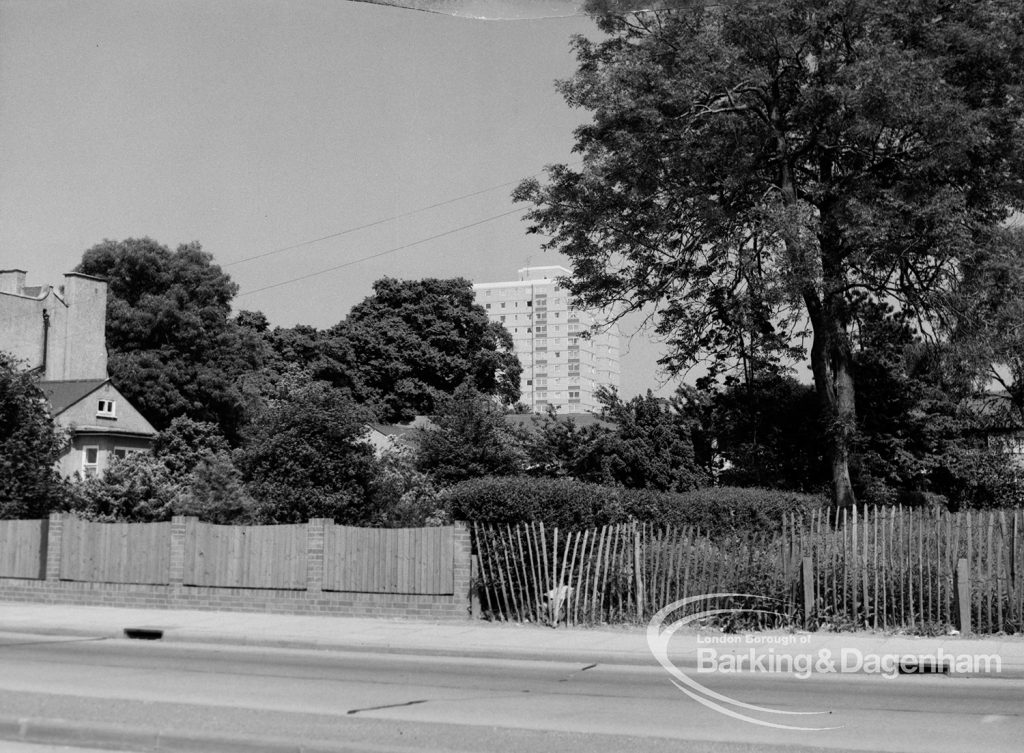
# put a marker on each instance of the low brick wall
(311, 600)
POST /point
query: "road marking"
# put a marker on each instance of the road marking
(386, 706)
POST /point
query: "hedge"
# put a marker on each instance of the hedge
(567, 503)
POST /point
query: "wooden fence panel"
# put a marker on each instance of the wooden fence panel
(245, 556)
(115, 552)
(389, 560)
(23, 548)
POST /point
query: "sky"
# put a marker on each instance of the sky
(308, 133)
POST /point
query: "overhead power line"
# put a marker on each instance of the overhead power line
(380, 253)
(368, 225)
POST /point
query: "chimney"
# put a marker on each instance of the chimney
(85, 351)
(12, 281)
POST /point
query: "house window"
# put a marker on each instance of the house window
(106, 409)
(90, 461)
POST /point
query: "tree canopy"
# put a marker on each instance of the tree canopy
(766, 167)
(468, 438)
(305, 456)
(30, 445)
(413, 341)
(174, 348)
(643, 443)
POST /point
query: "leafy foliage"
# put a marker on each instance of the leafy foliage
(754, 166)
(304, 456)
(575, 504)
(651, 446)
(216, 493)
(185, 443)
(561, 502)
(405, 496)
(646, 443)
(768, 433)
(174, 349)
(138, 488)
(468, 437)
(414, 341)
(30, 446)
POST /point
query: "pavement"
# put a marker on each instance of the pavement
(478, 639)
(511, 641)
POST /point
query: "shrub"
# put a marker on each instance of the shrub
(722, 509)
(518, 499)
(574, 504)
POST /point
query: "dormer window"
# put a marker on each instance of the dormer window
(106, 409)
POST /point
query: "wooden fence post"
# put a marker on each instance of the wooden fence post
(807, 581)
(638, 574)
(474, 593)
(963, 594)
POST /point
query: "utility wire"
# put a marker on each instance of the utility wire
(380, 253)
(369, 224)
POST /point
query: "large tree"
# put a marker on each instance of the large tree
(468, 438)
(767, 433)
(642, 443)
(415, 341)
(305, 455)
(174, 348)
(30, 446)
(762, 166)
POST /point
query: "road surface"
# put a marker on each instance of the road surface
(377, 702)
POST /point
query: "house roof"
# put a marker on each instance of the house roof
(63, 394)
(393, 430)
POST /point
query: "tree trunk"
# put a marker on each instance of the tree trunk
(830, 350)
(833, 381)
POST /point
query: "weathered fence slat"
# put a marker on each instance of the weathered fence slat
(23, 548)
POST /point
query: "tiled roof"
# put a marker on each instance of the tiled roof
(63, 394)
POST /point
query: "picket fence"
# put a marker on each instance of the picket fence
(887, 568)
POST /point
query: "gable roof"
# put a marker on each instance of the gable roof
(63, 394)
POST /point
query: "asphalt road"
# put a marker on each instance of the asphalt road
(371, 702)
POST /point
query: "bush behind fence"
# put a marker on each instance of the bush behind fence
(886, 568)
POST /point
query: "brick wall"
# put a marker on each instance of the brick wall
(177, 595)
